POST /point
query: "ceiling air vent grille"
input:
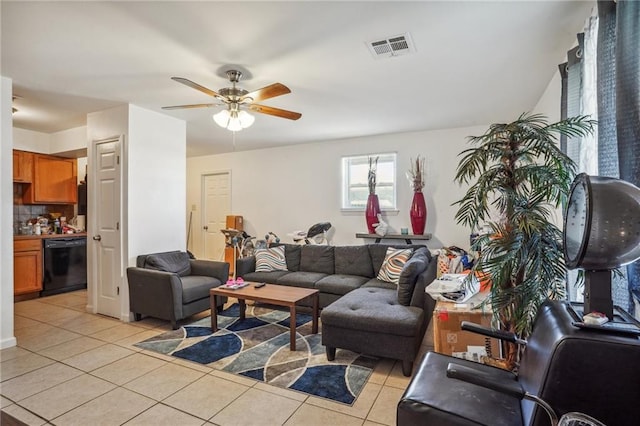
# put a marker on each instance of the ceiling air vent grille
(391, 46)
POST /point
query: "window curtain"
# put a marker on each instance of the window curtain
(619, 104)
(628, 110)
(602, 78)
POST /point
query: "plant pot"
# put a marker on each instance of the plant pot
(371, 212)
(418, 213)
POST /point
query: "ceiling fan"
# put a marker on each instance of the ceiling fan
(237, 100)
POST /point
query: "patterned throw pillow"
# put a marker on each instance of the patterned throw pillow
(271, 259)
(393, 263)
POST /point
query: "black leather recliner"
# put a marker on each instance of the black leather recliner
(572, 369)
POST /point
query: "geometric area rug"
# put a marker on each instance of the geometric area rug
(258, 348)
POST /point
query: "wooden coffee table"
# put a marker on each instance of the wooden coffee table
(279, 295)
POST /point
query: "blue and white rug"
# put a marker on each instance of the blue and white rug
(258, 347)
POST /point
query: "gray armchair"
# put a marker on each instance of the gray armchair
(171, 286)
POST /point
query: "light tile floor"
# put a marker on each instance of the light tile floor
(75, 368)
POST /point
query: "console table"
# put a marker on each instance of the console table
(406, 237)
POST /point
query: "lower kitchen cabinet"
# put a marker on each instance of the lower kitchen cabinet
(27, 266)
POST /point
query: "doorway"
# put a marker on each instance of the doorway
(105, 202)
(216, 205)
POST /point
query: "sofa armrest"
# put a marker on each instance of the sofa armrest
(211, 268)
(245, 265)
(155, 293)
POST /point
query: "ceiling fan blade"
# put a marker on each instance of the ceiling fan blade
(270, 91)
(275, 111)
(190, 106)
(197, 87)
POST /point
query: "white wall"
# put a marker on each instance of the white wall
(549, 103)
(29, 140)
(290, 188)
(156, 184)
(74, 139)
(66, 141)
(7, 338)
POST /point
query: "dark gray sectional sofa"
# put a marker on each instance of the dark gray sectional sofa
(360, 312)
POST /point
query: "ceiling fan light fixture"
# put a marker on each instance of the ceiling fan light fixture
(222, 118)
(246, 119)
(234, 120)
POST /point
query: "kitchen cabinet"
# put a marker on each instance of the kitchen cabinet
(54, 181)
(27, 266)
(22, 166)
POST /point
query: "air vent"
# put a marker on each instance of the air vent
(391, 46)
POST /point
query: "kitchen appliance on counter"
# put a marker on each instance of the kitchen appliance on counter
(65, 265)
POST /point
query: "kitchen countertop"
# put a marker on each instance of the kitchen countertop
(44, 237)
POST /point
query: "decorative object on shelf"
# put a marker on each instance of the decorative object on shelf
(418, 211)
(519, 166)
(373, 204)
(381, 227)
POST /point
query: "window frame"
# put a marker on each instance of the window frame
(346, 164)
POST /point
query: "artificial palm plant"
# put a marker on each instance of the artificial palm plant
(518, 176)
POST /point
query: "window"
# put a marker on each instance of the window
(355, 187)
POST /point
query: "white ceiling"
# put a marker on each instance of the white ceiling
(475, 63)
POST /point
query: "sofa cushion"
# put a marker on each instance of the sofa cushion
(196, 287)
(265, 277)
(340, 284)
(374, 310)
(353, 260)
(172, 261)
(301, 279)
(270, 259)
(317, 259)
(407, 281)
(393, 263)
(374, 282)
(292, 255)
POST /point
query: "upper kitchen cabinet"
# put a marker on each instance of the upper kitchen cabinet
(22, 166)
(55, 181)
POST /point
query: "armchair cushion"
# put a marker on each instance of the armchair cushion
(173, 261)
(196, 287)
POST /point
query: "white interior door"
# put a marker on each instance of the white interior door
(107, 235)
(216, 201)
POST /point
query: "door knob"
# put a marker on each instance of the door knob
(206, 228)
(97, 237)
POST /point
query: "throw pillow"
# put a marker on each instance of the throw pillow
(271, 259)
(175, 261)
(393, 263)
(414, 267)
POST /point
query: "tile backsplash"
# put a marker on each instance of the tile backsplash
(24, 212)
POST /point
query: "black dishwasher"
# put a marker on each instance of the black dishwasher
(65, 265)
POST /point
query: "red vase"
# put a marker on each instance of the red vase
(371, 212)
(418, 213)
